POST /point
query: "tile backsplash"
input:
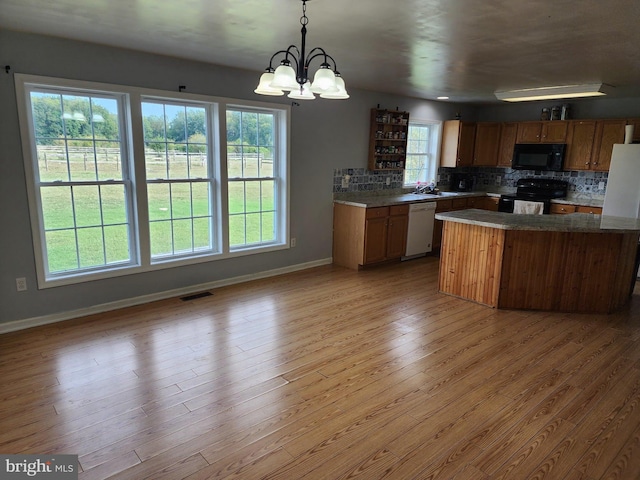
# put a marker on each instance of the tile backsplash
(485, 178)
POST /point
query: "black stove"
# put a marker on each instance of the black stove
(534, 190)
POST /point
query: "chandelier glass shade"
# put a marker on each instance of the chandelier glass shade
(292, 75)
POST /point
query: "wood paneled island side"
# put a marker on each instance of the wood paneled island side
(569, 263)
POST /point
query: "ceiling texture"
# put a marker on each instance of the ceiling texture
(464, 49)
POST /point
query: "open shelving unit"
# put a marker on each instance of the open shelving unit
(388, 139)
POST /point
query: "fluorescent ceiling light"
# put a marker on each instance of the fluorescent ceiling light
(442, 98)
(550, 93)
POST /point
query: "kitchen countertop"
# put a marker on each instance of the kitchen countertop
(372, 200)
(377, 200)
(573, 222)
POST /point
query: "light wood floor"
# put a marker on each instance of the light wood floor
(329, 374)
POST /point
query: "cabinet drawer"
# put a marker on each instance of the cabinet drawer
(443, 205)
(377, 212)
(399, 209)
(594, 210)
(561, 208)
(458, 203)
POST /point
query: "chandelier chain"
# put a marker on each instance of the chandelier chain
(304, 20)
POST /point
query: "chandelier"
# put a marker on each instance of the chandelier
(292, 74)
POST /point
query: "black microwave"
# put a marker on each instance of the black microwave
(538, 156)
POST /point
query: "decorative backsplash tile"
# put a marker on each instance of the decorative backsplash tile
(485, 178)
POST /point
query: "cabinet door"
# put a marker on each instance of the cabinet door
(491, 203)
(486, 144)
(508, 134)
(579, 145)
(529, 132)
(608, 132)
(457, 143)
(375, 240)
(554, 132)
(397, 235)
(466, 144)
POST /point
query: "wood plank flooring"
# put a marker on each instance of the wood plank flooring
(329, 373)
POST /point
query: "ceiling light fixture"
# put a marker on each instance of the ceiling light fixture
(292, 74)
(550, 93)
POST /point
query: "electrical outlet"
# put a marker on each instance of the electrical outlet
(601, 186)
(498, 179)
(345, 183)
(293, 242)
(21, 284)
(388, 181)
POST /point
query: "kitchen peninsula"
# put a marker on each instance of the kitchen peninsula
(570, 263)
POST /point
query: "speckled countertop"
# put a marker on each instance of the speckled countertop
(573, 222)
(372, 200)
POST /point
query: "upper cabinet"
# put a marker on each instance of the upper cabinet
(608, 132)
(458, 139)
(589, 142)
(487, 143)
(388, 139)
(542, 132)
(508, 134)
(579, 144)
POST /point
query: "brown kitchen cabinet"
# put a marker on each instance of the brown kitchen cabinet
(580, 144)
(593, 210)
(554, 131)
(562, 208)
(483, 203)
(388, 134)
(487, 143)
(366, 236)
(508, 134)
(458, 141)
(608, 133)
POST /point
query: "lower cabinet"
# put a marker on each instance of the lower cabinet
(562, 208)
(365, 236)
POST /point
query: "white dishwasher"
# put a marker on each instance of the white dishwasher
(420, 231)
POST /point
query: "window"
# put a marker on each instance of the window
(250, 171)
(179, 178)
(82, 181)
(110, 195)
(423, 144)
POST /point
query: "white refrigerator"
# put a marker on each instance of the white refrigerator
(622, 197)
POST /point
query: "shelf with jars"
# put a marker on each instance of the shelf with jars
(388, 139)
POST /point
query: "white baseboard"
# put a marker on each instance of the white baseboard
(129, 302)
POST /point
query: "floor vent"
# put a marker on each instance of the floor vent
(196, 296)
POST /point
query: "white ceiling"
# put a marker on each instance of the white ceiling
(466, 49)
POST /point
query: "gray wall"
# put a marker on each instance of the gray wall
(324, 135)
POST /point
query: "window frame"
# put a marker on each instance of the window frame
(435, 132)
(134, 138)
